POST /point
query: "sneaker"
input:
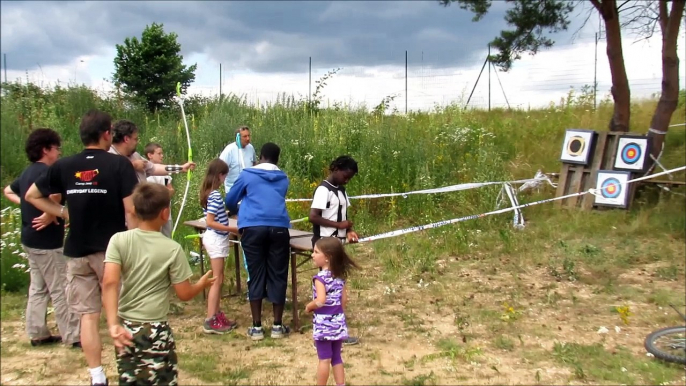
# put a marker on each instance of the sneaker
(49, 340)
(256, 333)
(225, 321)
(214, 326)
(280, 331)
(351, 341)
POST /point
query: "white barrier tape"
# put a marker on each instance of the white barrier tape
(678, 124)
(518, 221)
(505, 210)
(445, 189)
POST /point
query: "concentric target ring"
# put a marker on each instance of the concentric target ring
(631, 153)
(576, 145)
(610, 188)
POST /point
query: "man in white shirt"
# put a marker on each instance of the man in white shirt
(238, 155)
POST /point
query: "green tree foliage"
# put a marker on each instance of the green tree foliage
(531, 19)
(148, 69)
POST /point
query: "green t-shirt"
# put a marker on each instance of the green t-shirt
(150, 264)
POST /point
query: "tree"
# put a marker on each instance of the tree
(150, 68)
(532, 19)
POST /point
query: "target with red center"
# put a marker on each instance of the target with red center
(611, 188)
(631, 153)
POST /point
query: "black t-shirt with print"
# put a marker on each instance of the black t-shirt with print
(52, 236)
(94, 183)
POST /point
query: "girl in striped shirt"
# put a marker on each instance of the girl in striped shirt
(216, 243)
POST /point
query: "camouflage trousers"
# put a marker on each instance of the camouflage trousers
(152, 359)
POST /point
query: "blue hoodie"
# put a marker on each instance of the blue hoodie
(262, 190)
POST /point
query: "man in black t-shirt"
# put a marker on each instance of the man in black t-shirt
(42, 236)
(97, 186)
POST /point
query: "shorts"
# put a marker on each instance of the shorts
(216, 245)
(267, 253)
(152, 360)
(330, 349)
(84, 283)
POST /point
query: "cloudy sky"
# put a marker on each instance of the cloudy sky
(264, 49)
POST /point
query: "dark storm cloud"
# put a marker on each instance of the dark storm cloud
(260, 36)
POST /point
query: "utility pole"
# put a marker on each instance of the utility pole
(595, 74)
(405, 82)
(309, 95)
(220, 81)
(489, 76)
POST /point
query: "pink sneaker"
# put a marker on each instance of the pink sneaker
(214, 326)
(231, 324)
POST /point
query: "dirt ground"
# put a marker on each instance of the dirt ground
(464, 324)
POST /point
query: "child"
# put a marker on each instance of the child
(329, 209)
(329, 328)
(148, 264)
(216, 242)
(155, 154)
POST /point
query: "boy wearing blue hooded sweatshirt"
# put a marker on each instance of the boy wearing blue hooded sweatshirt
(263, 223)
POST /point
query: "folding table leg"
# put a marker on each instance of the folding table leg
(294, 289)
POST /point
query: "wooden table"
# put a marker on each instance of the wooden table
(300, 245)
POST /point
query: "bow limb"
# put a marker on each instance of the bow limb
(190, 159)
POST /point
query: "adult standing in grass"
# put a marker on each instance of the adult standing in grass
(42, 238)
(239, 155)
(263, 223)
(125, 137)
(329, 209)
(98, 188)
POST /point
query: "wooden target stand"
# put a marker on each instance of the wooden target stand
(578, 178)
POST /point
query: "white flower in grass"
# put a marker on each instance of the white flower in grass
(19, 266)
(16, 252)
(11, 245)
(23, 254)
(6, 234)
(308, 157)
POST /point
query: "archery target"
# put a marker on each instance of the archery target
(612, 189)
(632, 153)
(577, 145)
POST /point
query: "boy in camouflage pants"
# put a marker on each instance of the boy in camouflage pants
(148, 264)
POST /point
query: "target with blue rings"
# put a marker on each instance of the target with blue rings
(611, 188)
(632, 153)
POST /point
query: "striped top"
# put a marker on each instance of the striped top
(215, 205)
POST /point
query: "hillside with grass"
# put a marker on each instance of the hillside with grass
(478, 302)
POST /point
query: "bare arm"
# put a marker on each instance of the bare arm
(321, 297)
(162, 170)
(13, 197)
(344, 297)
(130, 213)
(45, 204)
(110, 292)
(212, 223)
(186, 291)
(316, 218)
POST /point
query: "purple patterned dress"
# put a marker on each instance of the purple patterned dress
(329, 321)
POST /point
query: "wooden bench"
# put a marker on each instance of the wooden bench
(300, 245)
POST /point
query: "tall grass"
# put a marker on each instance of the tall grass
(446, 146)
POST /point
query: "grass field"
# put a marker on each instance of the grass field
(474, 303)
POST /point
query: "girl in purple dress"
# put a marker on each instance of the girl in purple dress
(329, 328)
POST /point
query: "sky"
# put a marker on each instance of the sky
(265, 47)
